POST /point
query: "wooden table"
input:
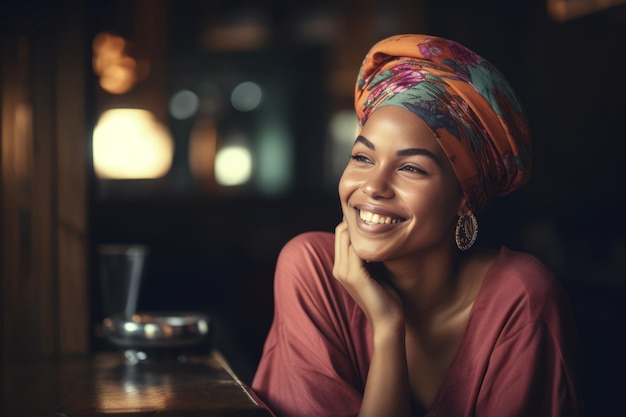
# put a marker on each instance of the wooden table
(107, 385)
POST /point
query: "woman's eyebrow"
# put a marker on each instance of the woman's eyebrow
(419, 151)
(364, 141)
(402, 152)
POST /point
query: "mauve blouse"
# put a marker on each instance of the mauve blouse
(516, 357)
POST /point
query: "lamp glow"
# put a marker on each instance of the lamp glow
(233, 165)
(131, 144)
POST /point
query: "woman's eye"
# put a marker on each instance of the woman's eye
(360, 158)
(413, 169)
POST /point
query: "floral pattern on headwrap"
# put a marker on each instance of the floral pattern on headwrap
(468, 104)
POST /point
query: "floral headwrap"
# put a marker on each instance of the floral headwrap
(470, 107)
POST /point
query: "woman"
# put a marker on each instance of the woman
(396, 314)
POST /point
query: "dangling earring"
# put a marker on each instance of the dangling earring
(466, 231)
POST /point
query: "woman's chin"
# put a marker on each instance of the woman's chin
(368, 255)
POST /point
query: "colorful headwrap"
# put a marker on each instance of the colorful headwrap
(470, 107)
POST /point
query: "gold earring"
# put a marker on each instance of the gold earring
(466, 231)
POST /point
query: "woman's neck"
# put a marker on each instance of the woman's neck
(440, 283)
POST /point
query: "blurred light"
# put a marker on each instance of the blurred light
(107, 49)
(21, 155)
(203, 326)
(275, 156)
(236, 38)
(317, 26)
(343, 129)
(151, 331)
(202, 149)
(184, 104)
(131, 143)
(167, 330)
(130, 327)
(246, 31)
(119, 78)
(246, 96)
(563, 10)
(233, 165)
(118, 72)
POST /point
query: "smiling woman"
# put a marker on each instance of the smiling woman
(407, 179)
(398, 313)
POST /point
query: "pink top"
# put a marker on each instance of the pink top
(515, 357)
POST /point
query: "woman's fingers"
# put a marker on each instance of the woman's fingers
(348, 266)
(379, 302)
(342, 246)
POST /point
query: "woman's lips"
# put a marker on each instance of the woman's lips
(372, 218)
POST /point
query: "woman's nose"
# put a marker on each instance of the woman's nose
(377, 185)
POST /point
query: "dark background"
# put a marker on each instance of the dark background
(213, 249)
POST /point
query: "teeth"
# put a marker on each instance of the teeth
(375, 218)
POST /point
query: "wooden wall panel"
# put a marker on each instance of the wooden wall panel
(21, 329)
(71, 186)
(44, 247)
(44, 298)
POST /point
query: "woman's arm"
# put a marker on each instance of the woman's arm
(315, 359)
(387, 386)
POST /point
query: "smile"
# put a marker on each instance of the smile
(375, 218)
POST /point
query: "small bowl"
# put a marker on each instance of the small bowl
(148, 330)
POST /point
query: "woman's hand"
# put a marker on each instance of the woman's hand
(387, 386)
(380, 303)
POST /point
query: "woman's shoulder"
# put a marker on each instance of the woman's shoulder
(521, 293)
(304, 256)
(309, 244)
(523, 279)
(523, 269)
(304, 276)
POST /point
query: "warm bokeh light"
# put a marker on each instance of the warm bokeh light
(107, 49)
(233, 165)
(184, 104)
(119, 77)
(246, 96)
(22, 132)
(245, 33)
(131, 144)
(202, 149)
(118, 72)
(564, 10)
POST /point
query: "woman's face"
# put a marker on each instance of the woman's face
(398, 193)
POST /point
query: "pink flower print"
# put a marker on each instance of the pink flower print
(406, 74)
(429, 50)
(463, 55)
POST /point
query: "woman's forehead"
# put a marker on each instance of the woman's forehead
(397, 127)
